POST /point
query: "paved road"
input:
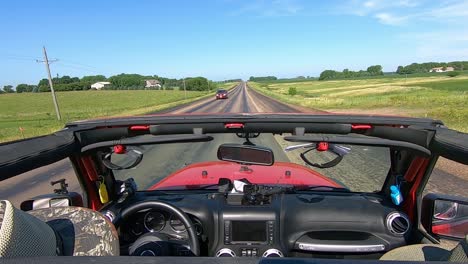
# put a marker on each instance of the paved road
(241, 99)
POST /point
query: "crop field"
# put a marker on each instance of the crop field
(32, 114)
(438, 97)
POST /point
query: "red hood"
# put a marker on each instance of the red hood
(206, 173)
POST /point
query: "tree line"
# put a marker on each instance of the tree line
(427, 66)
(374, 70)
(262, 79)
(118, 82)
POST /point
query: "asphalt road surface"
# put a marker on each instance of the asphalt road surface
(355, 171)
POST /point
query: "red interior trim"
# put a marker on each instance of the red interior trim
(355, 127)
(420, 165)
(90, 177)
(414, 168)
(234, 125)
(139, 128)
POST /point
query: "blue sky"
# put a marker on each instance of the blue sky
(223, 39)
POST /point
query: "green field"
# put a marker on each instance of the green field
(438, 97)
(35, 114)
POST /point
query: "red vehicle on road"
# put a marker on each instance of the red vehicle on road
(252, 185)
(221, 94)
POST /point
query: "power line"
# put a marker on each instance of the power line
(17, 59)
(17, 56)
(78, 64)
(76, 67)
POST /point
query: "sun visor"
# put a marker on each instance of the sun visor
(25, 155)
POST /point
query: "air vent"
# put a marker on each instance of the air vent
(109, 215)
(398, 223)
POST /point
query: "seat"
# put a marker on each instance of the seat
(424, 252)
(63, 231)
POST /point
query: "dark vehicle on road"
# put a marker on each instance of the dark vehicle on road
(221, 94)
(242, 186)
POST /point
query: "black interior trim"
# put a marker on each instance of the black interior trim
(451, 144)
(146, 140)
(250, 127)
(258, 118)
(360, 141)
(197, 260)
(25, 155)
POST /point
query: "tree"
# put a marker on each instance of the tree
(196, 84)
(127, 81)
(453, 74)
(43, 82)
(400, 70)
(328, 75)
(43, 88)
(347, 73)
(24, 88)
(8, 89)
(262, 79)
(375, 70)
(94, 78)
(292, 91)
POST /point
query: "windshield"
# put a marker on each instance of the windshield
(196, 165)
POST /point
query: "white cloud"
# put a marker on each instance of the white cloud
(370, 7)
(270, 8)
(369, 4)
(450, 10)
(389, 19)
(438, 45)
(400, 12)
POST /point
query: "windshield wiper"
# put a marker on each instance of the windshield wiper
(323, 188)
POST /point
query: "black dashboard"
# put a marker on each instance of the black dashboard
(305, 224)
(158, 221)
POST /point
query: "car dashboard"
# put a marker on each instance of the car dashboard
(305, 224)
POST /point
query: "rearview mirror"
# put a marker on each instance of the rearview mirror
(246, 154)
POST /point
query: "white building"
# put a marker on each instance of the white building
(152, 83)
(442, 69)
(99, 85)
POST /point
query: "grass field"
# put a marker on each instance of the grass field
(438, 97)
(35, 114)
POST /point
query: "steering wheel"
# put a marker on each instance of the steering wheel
(193, 242)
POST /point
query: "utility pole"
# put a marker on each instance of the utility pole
(185, 91)
(54, 98)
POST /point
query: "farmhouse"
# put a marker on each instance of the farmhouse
(99, 85)
(442, 69)
(152, 83)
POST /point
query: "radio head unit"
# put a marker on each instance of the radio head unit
(248, 232)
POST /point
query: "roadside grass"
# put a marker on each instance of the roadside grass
(32, 114)
(438, 97)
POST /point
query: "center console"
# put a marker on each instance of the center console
(249, 232)
(249, 238)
